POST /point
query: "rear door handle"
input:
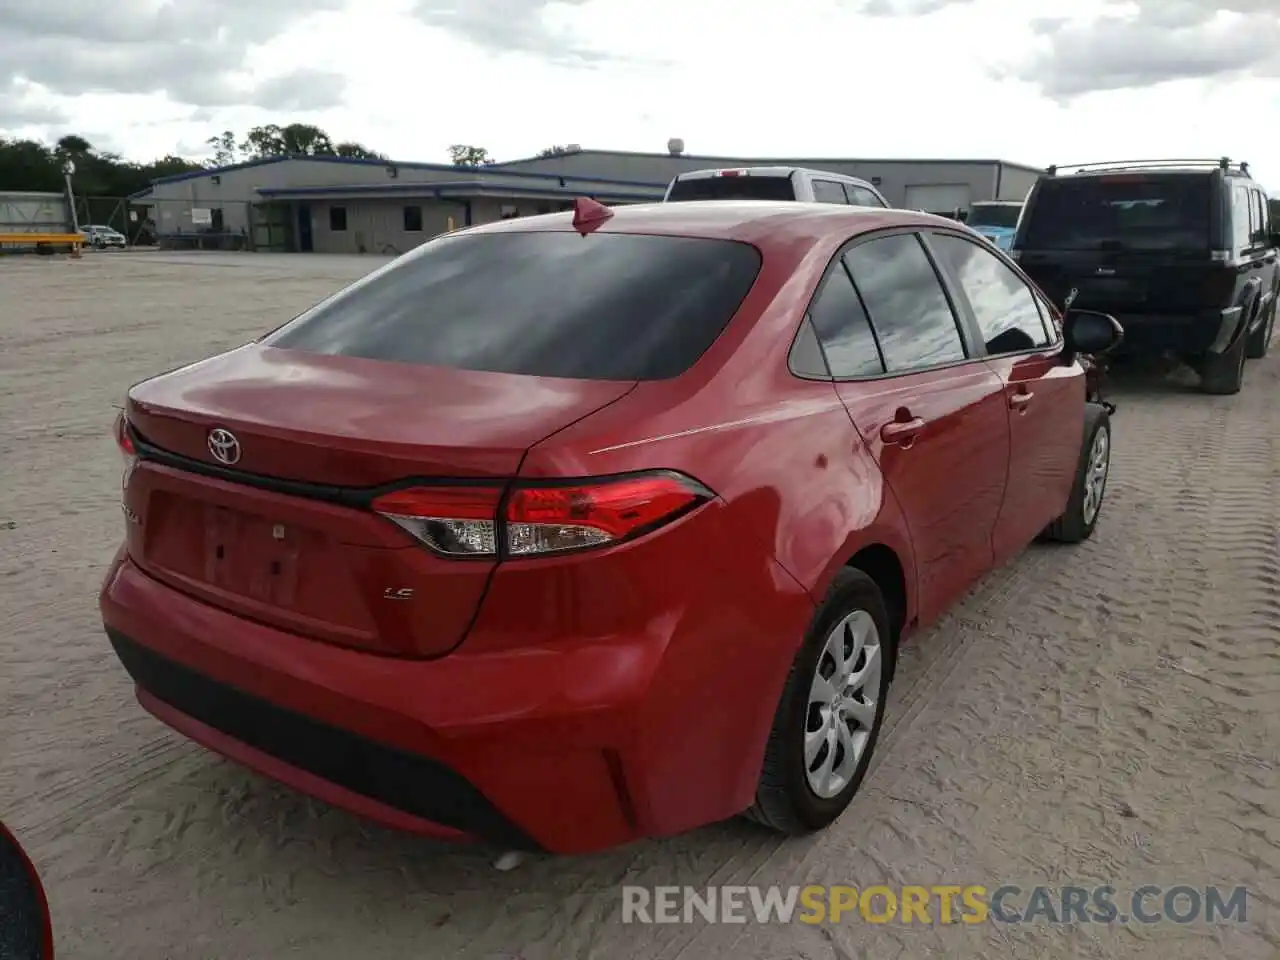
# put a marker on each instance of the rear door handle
(901, 431)
(1019, 401)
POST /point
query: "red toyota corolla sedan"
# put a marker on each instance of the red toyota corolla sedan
(564, 531)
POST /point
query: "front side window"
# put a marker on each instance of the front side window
(904, 298)
(1003, 305)
(828, 191)
(545, 304)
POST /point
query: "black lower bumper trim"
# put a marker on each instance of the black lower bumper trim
(414, 784)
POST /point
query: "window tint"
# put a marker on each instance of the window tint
(842, 326)
(1257, 218)
(911, 316)
(1003, 215)
(1004, 306)
(732, 188)
(413, 219)
(806, 358)
(338, 218)
(828, 191)
(1125, 211)
(603, 307)
(1240, 217)
(861, 196)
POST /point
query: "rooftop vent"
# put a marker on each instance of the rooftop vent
(675, 146)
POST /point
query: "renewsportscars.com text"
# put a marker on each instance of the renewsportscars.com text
(944, 904)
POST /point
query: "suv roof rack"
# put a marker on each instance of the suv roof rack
(1222, 163)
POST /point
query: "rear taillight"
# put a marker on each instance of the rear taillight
(453, 521)
(540, 518)
(124, 442)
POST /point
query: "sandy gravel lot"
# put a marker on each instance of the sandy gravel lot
(1106, 714)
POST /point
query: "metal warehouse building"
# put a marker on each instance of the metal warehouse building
(338, 205)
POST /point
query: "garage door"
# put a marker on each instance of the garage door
(941, 198)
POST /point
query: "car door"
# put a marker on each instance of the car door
(931, 413)
(1265, 260)
(1044, 396)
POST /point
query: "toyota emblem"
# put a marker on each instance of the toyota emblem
(224, 446)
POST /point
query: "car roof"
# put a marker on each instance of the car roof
(996, 203)
(749, 221)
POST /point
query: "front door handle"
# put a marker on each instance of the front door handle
(1019, 401)
(901, 431)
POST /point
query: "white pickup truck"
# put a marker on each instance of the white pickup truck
(774, 183)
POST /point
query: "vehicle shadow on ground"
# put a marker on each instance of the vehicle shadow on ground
(1148, 376)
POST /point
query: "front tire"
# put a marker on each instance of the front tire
(1078, 521)
(831, 711)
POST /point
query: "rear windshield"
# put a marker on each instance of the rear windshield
(1138, 212)
(596, 307)
(993, 215)
(732, 188)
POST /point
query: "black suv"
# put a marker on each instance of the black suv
(1182, 252)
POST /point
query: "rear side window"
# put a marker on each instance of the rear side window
(1257, 218)
(1004, 306)
(861, 196)
(1130, 211)
(600, 307)
(843, 328)
(1240, 216)
(732, 188)
(828, 191)
(903, 296)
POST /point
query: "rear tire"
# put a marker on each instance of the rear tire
(787, 799)
(1079, 520)
(1260, 342)
(1223, 374)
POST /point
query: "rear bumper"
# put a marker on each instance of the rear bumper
(567, 747)
(1209, 331)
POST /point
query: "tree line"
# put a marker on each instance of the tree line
(37, 166)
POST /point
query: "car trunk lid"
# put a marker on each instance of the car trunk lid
(281, 530)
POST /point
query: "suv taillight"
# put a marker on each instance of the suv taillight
(539, 518)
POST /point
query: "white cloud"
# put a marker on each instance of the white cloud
(809, 78)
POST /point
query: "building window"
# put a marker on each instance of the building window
(412, 219)
(216, 222)
(508, 211)
(338, 218)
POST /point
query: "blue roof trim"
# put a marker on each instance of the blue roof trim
(353, 162)
(450, 188)
(436, 186)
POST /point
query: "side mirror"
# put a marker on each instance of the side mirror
(1089, 332)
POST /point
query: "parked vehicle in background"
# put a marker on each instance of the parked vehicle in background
(774, 183)
(1182, 252)
(572, 529)
(996, 220)
(103, 237)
